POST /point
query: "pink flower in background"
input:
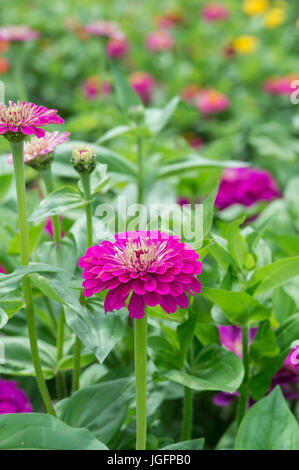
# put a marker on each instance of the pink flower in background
(182, 201)
(294, 357)
(159, 41)
(49, 227)
(2, 269)
(211, 102)
(245, 186)
(287, 377)
(13, 399)
(215, 12)
(142, 83)
(280, 85)
(170, 19)
(21, 119)
(156, 267)
(107, 29)
(92, 86)
(17, 33)
(194, 140)
(117, 48)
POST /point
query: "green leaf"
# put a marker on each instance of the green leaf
(273, 275)
(156, 118)
(185, 333)
(97, 331)
(207, 333)
(287, 332)
(269, 425)
(10, 282)
(34, 238)
(3, 318)
(264, 344)
(194, 444)
(45, 287)
(100, 408)
(58, 202)
(215, 369)
(18, 358)
(5, 182)
(237, 245)
(114, 132)
(164, 354)
(126, 95)
(41, 432)
(238, 307)
(176, 167)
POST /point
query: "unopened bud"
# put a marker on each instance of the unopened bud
(83, 159)
(136, 113)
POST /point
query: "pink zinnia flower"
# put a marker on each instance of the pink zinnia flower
(21, 119)
(211, 102)
(17, 33)
(157, 268)
(245, 186)
(215, 12)
(13, 399)
(117, 48)
(280, 85)
(287, 377)
(194, 140)
(92, 86)
(159, 41)
(170, 19)
(142, 83)
(106, 29)
(190, 93)
(42, 146)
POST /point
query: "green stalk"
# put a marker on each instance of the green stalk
(187, 414)
(18, 159)
(49, 183)
(85, 180)
(243, 400)
(47, 176)
(140, 337)
(18, 68)
(140, 170)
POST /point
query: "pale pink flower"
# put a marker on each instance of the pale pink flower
(20, 119)
(159, 41)
(106, 29)
(17, 33)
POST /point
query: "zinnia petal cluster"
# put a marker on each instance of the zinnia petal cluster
(17, 33)
(159, 41)
(211, 101)
(13, 399)
(157, 268)
(282, 86)
(245, 186)
(117, 48)
(20, 119)
(142, 83)
(106, 29)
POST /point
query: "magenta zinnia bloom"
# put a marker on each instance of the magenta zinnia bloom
(280, 85)
(156, 267)
(215, 12)
(211, 102)
(159, 41)
(142, 83)
(17, 33)
(287, 377)
(117, 48)
(21, 119)
(3, 269)
(49, 227)
(13, 399)
(245, 186)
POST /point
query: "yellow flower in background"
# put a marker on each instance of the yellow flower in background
(274, 17)
(245, 44)
(255, 7)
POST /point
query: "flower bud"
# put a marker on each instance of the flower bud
(136, 113)
(83, 159)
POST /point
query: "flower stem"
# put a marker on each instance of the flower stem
(140, 170)
(243, 400)
(18, 159)
(140, 336)
(85, 180)
(18, 67)
(60, 377)
(49, 183)
(187, 419)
